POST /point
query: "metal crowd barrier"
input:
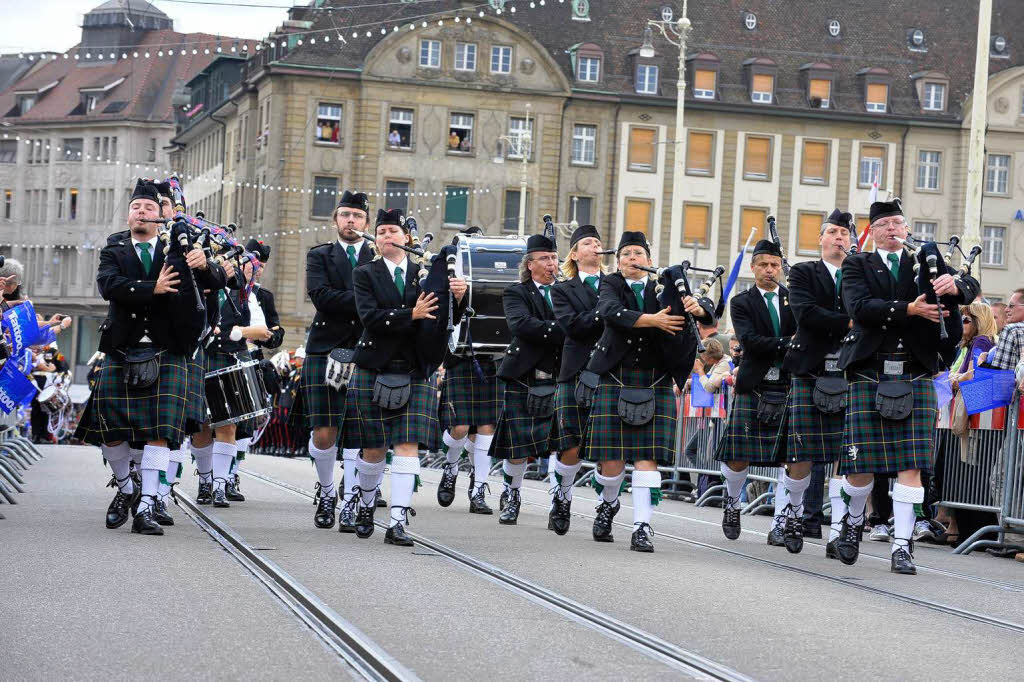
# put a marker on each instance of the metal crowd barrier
(17, 454)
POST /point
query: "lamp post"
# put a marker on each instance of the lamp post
(523, 142)
(976, 141)
(675, 32)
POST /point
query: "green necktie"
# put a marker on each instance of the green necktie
(592, 280)
(776, 327)
(351, 255)
(547, 295)
(638, 291)
(222, 297)
(399, 282)
(147, 259)
(839, 281)
(894, 265)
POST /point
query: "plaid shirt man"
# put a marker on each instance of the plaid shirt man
(1008, 351)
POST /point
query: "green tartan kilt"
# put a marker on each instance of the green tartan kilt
(812, 436)
(329, 406)
(195, 410)
(570, 418)
(154, 413)
(414, 423)
(518, 435)
(748, 440)
(466, 400)
(88, 427)
(872, 444)
(608, 438)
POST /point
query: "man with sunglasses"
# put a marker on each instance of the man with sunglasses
(1009, 350)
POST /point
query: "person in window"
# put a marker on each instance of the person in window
(453, 141)
(465, 146)
(394, 139)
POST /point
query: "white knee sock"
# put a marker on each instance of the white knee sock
(904, 497)
(835, 496)
(242, 445)
(796, 487)
(481, 460)
(171, 475)
(610, 486)
(154, 460)
(403, 479)
(136, 456)
(370, 475)
(324, 462)
(781, 499)
(565, 477)
(858, 499)
(643, 483)
(350, 458)
(513, 474)
(119, 459)
(223, 453)
(204, 462)
(734, 481)
(454, 447)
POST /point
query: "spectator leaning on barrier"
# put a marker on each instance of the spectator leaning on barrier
(1007, 352)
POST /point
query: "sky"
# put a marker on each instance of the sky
(55, 25)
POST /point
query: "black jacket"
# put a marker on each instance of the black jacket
(222, 342)
(653, 348)
(878, 305)
(329, 285)
(753, 325)
(821, 321)
(576, 313)
(536, 338)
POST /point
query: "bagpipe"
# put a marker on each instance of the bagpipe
(773, 234)
(675, 279)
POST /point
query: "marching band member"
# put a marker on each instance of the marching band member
(575, 306)
(818, 389)
(764, 323)
(633, 413)
(334, 333)
(890, 356)
(528, 370)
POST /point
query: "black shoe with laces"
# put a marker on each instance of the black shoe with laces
(560, 515)
(478, 502)
(848, 542)
(159, 513)
(793, 532)
(603, 521)
(347, 517)
(776, 536)
(219, 497)
(446, 488)
(231, 491)
(205, 494)
(144, 523)
(903, 560)
(396, 534)
(510, 514)
(503, 500)
(364, 521)
(381, 502)
(641, 540)
(120, 509)
(323, 517)
(831, 549)
(731, 519)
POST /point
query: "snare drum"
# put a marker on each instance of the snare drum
(236, 393)
(489, 264)
(52, 399)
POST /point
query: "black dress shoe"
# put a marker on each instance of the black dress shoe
(731, 520)
(472, 486)
(848, 542)
(395, 535)
(381, 502)
(503, 500)
(232, 493)
(903, 561)
(831, 551)
(219, 497)
(144, 523)
(323, 517)
(812, 530)
(560, 515)
(364, 521)
(794, 534)
(551, 519)
(446, 488)
(776, 537)
(347, 517)
(478, 502)
(510, 514)
(641, 540)
(159, 513)
(205, 494)
(120, 509)
(603, 521)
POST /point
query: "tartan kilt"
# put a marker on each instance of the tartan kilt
(322, 404)
(195, 409)
(466, 400)
(154, 413)
(570, 418)
(518, 435)
(87, 430)
(608, 438)
(379, 428)
(875, 445)
(812, 436)
(748, 440)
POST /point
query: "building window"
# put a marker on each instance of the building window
(647, 79)
(809, 232)
(8, 204)
(325, 189)
(430, 54)
(834, 28)
(73, 204)
(928, 164)
(638, 215)
(934, 97)
(510, 222)
(400, 129)
(8, 151)
(460, 133)
(72, 149)
(518, 127)
(465, 56)
(819, 91)
(581, 210)
(696, 224)
(993, 240)
(58, 195)
(113, 149)
(877, 97)
(25, 103)
(872, 166)
(750, 21)
(589, 69)
(501, 59)
(151, 151)
(700, 153)
(757, 156)
(925, 230)
(456, 205)
(752, 217)
(704, 83)
(328, 123)
(762, 88)
(815, 163)
(642, 149)
(584, 144)
(997, 174)
(397, 195)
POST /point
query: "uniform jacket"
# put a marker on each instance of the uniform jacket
(329, 285)
(576, 313)
(536, 337)
(762, 349)
(821, 320)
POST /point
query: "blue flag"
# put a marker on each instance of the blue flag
(15, 388)
(989, 389)
(735, 274)
(20, 324)
(698, 396)
(943, 391)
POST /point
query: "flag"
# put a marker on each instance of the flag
(21, 326)
(872, 198)
(15, 388)
(734, 275)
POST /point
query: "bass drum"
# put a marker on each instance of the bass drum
(489, 264)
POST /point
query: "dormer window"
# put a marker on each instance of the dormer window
(818, 79)
(589, 69)
(704, 75)
(25, 103)
(761, 74)
(647, 79)
(934, 97)
(875, 83)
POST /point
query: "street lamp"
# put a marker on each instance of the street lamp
(523, 143)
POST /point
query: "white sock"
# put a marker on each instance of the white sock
(610, 486)
(734, 481)
(643, 483)
(835, 496)
(350, 457)
(481, 460)
(454, 445)
(403, 480)
(242, 445)
(552, 460)
(513, 474)
(370, 475)
(119, 459)
(565, 477)
(858, 499)
(171, 475)
(223, 453)
(204, 462)
(154, 460)
(796, 487)
(324, 462)
(904, 497)
(781, 499)
(136, 456)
